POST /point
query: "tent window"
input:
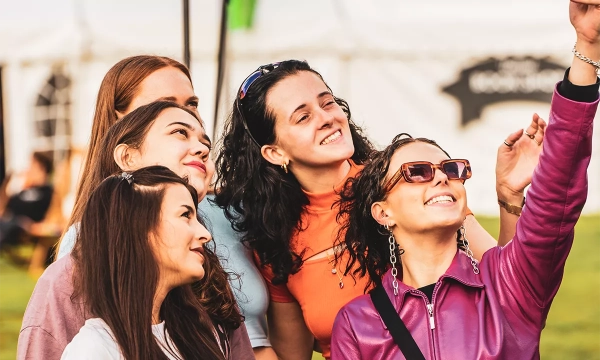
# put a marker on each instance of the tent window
(52, 119)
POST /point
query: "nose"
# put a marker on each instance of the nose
(326, 118)
(200, 149)
(439, 177)
(202, 233)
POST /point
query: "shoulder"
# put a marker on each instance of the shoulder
(359, 308)
(67, 243)
(94, 341)
(50, 313)
(57, 278)
(54, 286)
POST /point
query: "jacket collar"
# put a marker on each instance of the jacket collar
(460, 270)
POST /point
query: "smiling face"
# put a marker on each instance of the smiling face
(177, 140)
(178, 244)
(311, 128)
(422, 207)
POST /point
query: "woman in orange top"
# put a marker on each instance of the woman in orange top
(299, 146)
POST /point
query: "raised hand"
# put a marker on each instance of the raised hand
(585, 18)
(517, 158)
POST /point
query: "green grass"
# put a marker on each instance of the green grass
(572, 330)
(15, 288)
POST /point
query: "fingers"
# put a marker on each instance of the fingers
(535, 131)
(539, 135)
(533, 127)
(511, 140)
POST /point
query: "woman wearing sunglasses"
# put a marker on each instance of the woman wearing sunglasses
(405, 221)
(300, 145)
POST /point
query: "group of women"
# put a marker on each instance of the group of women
(311, 228)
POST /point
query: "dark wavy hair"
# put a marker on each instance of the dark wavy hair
(215, 292)
(117, 273)
(364, 239)
(261, 201)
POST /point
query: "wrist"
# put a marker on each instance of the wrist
(510, 196)
(590, 49)
(514, 209)
(586, 57)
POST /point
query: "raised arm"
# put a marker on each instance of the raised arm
(517, 158)
(532, 264)
(514, 168)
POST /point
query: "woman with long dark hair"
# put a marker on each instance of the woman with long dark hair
(160, 133)
(52, 318)
(134, 271)
(404, 216)
(287, 149)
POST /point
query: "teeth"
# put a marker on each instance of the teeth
(331, 137)
(440, 199)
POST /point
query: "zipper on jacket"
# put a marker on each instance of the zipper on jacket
(431, 321)
(429, 306)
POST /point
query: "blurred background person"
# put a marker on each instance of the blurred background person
(28, 206)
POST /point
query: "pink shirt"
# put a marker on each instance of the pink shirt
(52, 319)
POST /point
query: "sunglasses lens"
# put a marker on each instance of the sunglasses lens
(419, 172)
(455, 170)
(252, 78)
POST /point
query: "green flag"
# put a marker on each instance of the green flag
(240, 14)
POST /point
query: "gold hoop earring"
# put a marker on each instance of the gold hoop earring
(284, 167)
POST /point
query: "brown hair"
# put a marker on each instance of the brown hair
(118, 88)
(117, 273)
(214, 293)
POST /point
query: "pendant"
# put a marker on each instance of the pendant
(333, 271)
(341, 284)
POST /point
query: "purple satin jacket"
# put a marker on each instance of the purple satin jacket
(500, 313)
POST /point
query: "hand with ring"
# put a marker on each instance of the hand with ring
(517, 158)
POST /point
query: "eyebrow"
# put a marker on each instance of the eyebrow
(189, 208)
(324, 93)
(185, 125)
(174, 99)
(191, 128)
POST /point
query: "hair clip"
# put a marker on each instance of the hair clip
(127, 176)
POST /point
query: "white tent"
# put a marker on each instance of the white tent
(389, 59)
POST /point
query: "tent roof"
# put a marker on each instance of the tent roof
(385, 28)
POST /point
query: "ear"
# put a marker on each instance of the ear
(126, 157)
(380, 213)
(274, 154)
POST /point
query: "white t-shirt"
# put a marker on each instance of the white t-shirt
(95, 341)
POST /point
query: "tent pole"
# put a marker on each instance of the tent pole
(186, 33)
(221, 58)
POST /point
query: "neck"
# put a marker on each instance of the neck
(321, 179)
(427, 256)
(159, 297)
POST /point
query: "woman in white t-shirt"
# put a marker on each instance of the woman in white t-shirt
(143, 247)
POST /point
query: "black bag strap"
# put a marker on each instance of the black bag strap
(395, 325)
